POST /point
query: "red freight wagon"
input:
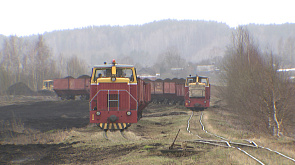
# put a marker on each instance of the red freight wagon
(69, 87)
(169, 87)
(167, 91)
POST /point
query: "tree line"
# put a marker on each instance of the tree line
(255, 90)
(195, 40)
(31, 62)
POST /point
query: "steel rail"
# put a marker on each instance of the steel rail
(123, 134)
(278, 153)
(105, 135)
(250, 155)
(224, 141)
(188, 125)
(250, 141)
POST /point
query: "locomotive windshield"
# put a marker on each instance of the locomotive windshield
(114, 73)
(203, 80)
(190, 80)
(199, 79)
(124, 72)
(107, 72)
(103, 72)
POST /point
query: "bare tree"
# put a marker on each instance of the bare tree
(76, 67)
(12, 58)
(27, 62)
(254, 87)
(171, 60)
(241, 60)
(276, 96)
(289, 50)
(39, 62)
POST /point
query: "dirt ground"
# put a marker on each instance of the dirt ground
(46, 130)
(48, 115)
(36, 118)
(56, 132)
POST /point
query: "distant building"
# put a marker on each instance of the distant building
(290, 72)
(205, 68)
(286, 70)
(151, 77)
(175, 69)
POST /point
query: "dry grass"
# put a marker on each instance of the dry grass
(20, 99)
(149, 136)
(15, 132)
(221, 123)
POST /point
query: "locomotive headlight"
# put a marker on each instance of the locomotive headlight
(128, 113)
(113, 78)
(97, 113)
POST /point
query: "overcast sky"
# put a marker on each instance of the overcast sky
(27, 17)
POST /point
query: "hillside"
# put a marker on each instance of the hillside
(193, 40)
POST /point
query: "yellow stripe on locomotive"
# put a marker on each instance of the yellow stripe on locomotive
(114, 126)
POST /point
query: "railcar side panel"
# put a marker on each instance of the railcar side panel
(159, 87)
(169, 87)
(152, 84)
(180, 91)
(70, 87)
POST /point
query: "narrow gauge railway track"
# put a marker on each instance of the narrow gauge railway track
(229, 144)
(105, 135)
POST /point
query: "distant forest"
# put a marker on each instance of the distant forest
(194, 40)
(158, 46)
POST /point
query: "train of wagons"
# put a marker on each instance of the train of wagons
(117, 96)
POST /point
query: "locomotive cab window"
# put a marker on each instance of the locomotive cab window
(103, 72)
(99, 73)
(117, 73)
(125, 73)
(190, 80)
(204, 80)
(46, 84)
(129, 74)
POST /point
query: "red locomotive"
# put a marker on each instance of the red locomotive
(197, 89)
(117, 96)
(194, 92)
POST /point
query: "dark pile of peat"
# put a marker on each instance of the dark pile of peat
(20, 89)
